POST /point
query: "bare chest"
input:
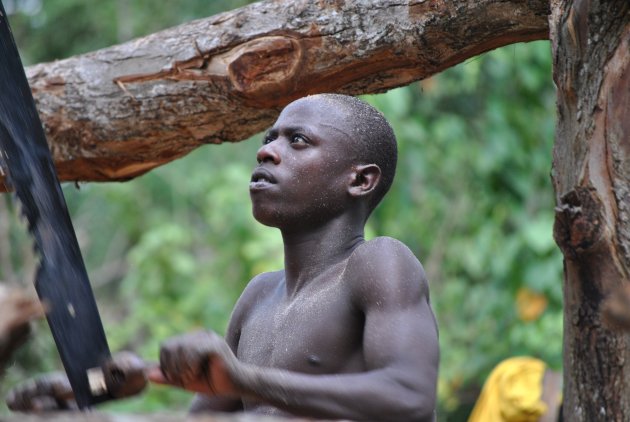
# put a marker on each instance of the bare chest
(319, 331)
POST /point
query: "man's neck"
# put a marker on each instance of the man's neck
(308, 253)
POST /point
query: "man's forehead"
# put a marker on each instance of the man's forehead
(316, 111)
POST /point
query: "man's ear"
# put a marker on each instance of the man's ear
(365, 178)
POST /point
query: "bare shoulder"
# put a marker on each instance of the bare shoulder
(386, 268)
(256, 290)
(262, 284)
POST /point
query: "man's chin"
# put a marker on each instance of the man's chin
(267, 217)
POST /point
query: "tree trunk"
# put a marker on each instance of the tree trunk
(591, 177)
(116, 113)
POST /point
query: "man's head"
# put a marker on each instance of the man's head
(374, 141)
(325, 154)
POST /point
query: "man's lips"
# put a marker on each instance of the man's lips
(261, 178)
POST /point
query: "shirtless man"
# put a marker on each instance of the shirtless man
(346, 330)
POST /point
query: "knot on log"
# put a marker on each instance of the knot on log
(265, 66)
(579, 222)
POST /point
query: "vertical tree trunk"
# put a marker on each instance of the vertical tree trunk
(591, 177)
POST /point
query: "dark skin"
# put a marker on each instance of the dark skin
(345, 331)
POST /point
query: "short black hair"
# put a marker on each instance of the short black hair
(375, 137)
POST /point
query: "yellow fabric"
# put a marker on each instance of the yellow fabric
(529, 304)
(512, 393)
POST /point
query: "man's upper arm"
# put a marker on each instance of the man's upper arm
(400, 334)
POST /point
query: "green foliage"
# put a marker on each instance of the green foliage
(48, 30)
(171, 251)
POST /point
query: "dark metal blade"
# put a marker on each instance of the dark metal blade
(61, 280)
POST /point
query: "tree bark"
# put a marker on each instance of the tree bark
(591, 177)
(118, 112)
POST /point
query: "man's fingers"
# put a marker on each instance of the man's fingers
(48, 392)
(180, 358)
(12, 401)
(155, 375)
(195, 362)
(25, 309)
(44, 404)
(38, 404)
(125, 374)
(22, 400)
(54, 385)
(169, 364)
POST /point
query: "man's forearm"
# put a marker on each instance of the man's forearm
(375, 395)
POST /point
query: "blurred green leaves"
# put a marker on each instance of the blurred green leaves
(48, 30)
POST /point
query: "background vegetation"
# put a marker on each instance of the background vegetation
(171, 251)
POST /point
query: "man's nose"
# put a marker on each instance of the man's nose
(268, 152)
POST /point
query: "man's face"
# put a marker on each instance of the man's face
(304, 166)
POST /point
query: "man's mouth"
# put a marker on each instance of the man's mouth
(261, 178)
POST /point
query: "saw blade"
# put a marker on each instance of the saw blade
(61, 280)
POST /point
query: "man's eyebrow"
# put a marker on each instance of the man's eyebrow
(274, 131)
(296, 128)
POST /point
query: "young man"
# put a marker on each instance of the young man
(346, 330)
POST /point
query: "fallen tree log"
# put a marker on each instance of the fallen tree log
(116, 113)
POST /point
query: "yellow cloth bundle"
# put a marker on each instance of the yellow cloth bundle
(512, 392)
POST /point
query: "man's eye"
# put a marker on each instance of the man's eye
(298, 139)
(266, 140)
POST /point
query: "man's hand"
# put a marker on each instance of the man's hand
(124, 376)
(18, 309)
(46, 393)
(200, 361)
